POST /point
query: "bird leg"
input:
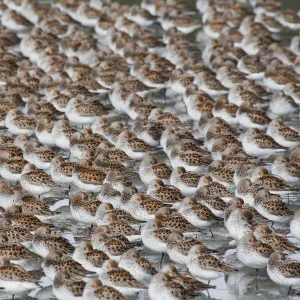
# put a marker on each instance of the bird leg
(256, 278)
(91, 229)
(161, 260)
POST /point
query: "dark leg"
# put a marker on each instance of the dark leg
(211, 232)
(208, 282)
(208, 294)
(162, 258)
(289, 290)
(272, 224)
(91, 229)
(256, 283)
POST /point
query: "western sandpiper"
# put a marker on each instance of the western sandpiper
(205, 266)
(91, 259)
(120, 279)
(35, 181)
(44, 242)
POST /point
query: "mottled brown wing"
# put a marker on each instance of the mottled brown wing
(108, 293)
(25, 123)
(277, 207)
(97, 257)
(162, 234)
(90, 176)
(67, 168)
(59, 243)
(264, 249)
(123, 228)
(152, 206)
(190, 179)
(162, 170)
(290, 269)
(176, 289)
(15, 273)
(40, 177)
(45, 155)
(138, 145)
(210, 262)
(17, 165)
(123, 278)
(193, 158)
(116, 247)
(259, 117)
(290, 134)
(76, 287)
(144, 263)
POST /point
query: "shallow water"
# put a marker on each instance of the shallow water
(243, 285)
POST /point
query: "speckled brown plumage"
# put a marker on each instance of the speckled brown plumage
(89, 175)
(120, 227)
(39, 178)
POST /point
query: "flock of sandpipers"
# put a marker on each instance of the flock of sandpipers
(163, 132)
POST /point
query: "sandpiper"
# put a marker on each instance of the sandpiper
(8, 195)
(253, 253)
(120, 279)
(139, 267)
(283, 271)
(283, 135)
(39, 156)
(273, 209)
(35, 181)
(278, 242)
(83, 208)
(150, 169)
(61, 171)
(133, 147)
(44, 242)
(178, 247)
(91, 259)
(205, 266)
(94, 290)
(89, 179)
(164, 193)
(252, 117)
(56, 262)
(66, 286)
(111, 246)
(14, 279)
(155, 236)
(258, 144)
(196, 213)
